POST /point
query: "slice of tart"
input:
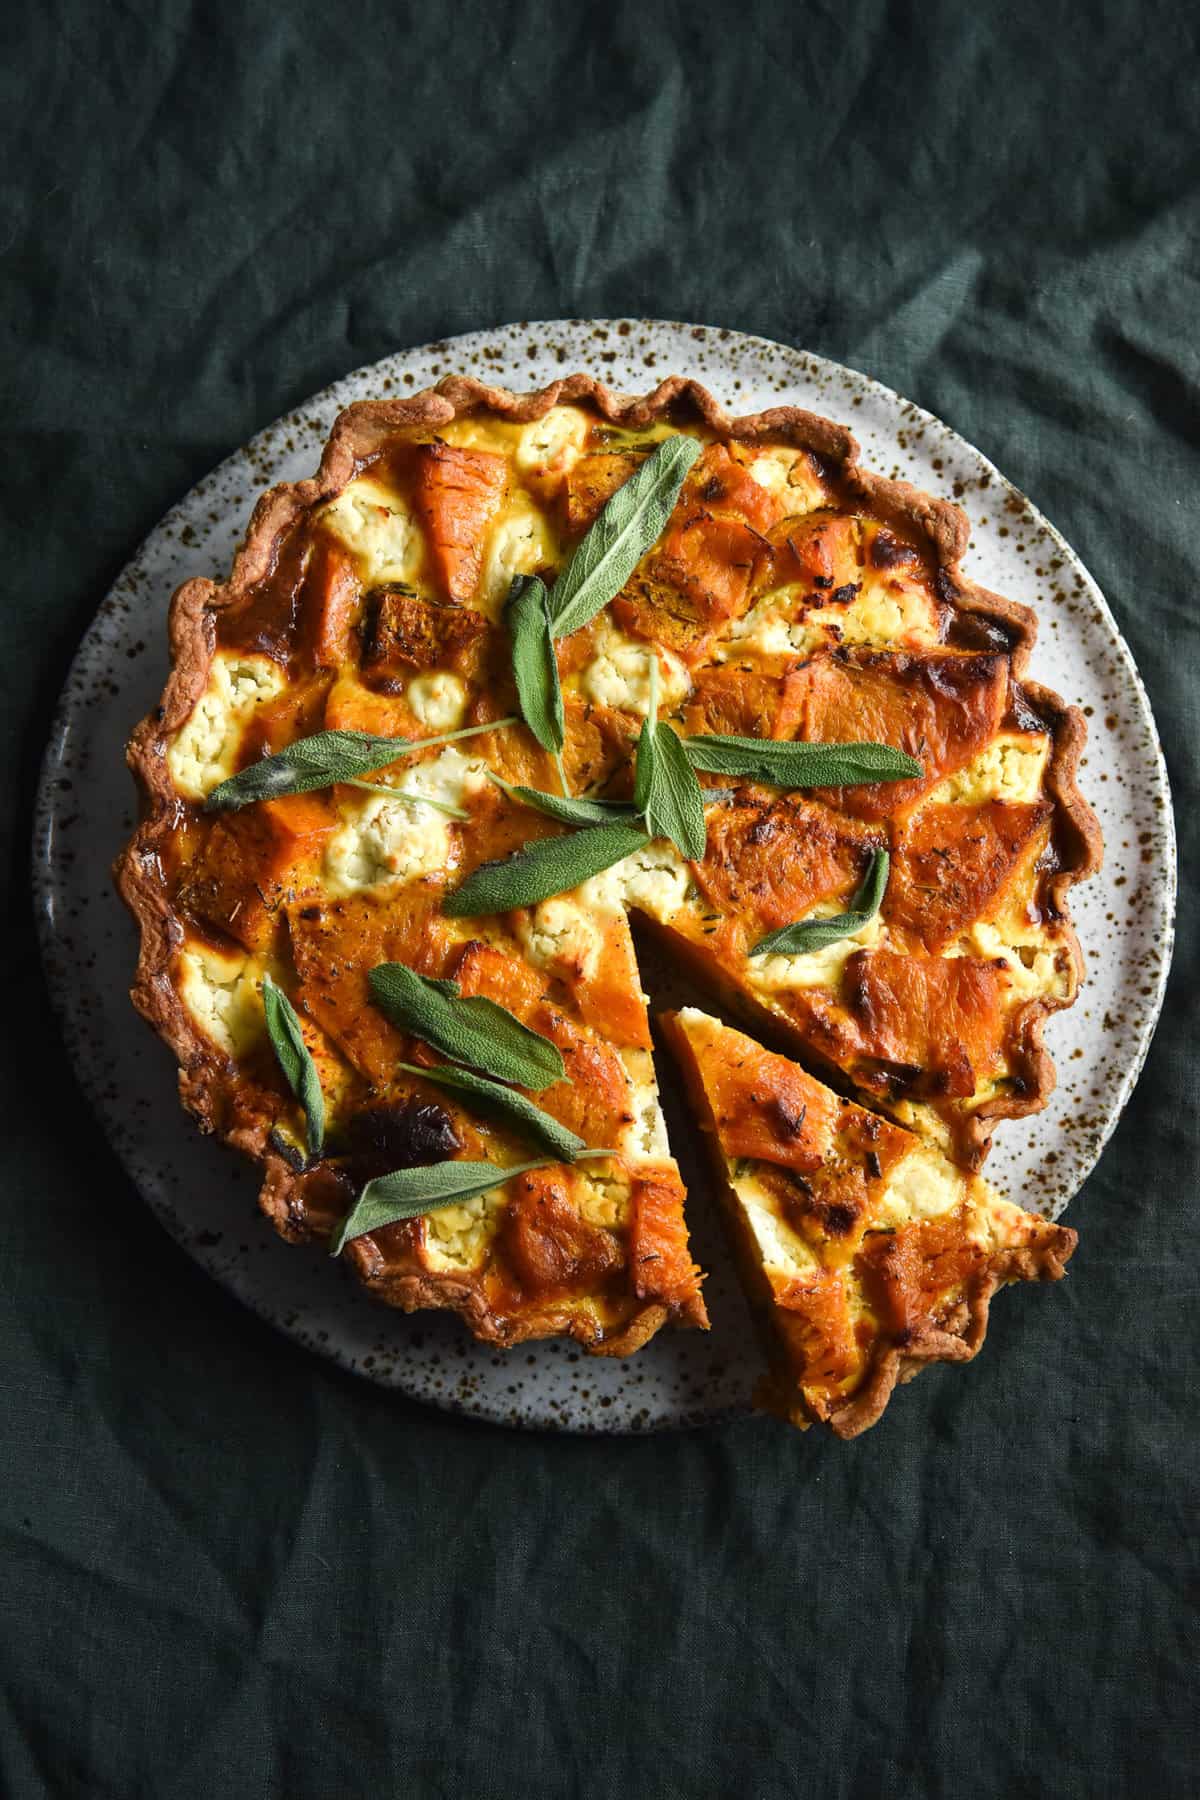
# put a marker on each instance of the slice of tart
(866, 1253)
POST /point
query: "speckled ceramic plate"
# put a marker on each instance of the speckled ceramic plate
(206, 1197)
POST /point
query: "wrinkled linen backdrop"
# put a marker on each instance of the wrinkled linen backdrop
(229, 1569)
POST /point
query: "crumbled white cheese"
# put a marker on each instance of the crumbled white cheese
(788, 474)
(883, 612)
(382, 840)
(645, 1139)
(554, 441)
(815, 968)
(619, 676)
(205, 747)
(459, 1237)
(1009, 768)
(655, 880)
(1037, 969)
(222, 993)
(923, 1185)
(438, 700)
(519, 543)
(375, 524)
(563, 931)
(603, 1194)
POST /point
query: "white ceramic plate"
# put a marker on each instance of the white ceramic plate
(204, 1195)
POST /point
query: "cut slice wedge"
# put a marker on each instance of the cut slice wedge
(865, 1252)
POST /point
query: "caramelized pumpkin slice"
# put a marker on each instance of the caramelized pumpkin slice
(253, 863)
(592, 482)
(770, 860)
(731, 702)
(953, 861)
(938, 1021)
(458, 494)
(335, 945)
(940, 708)
(411, 632)
(877, 1257)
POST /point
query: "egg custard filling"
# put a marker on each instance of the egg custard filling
(512, 671)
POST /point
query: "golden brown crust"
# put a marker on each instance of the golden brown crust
(206, 1074)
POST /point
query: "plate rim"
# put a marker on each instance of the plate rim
(599, 1423)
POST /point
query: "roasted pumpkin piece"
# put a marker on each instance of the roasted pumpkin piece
(660, 1260)
(717, 483)
(253, 863)
(734, 702)
(598, 742)
(550, 1248)
(330, 605)
(335, 945)
(773, 859)
(938, 1021)
(940, 708)
(411, 632)
(592, 482)
(953, 861)
(458, 494)
(820, 552)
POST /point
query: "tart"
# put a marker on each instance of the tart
(785, 598)
(865, 1252)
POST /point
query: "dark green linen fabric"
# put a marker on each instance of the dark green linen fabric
(226, 1568)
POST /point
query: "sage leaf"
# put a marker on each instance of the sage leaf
(320, 760)
(666, 791)
(551, 866)
(632, 519)
(513, 1108)
(815, 934)
(799, 765)
(407, 1193)
(535, 669)
(474, 1030)
(292, 1055)
(570, 809)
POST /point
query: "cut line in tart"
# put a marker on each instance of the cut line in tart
(785, 597)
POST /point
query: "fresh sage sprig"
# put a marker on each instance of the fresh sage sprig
(798, 765)
(551, 866)
(320, 760)
(505, 1103)
(472, 1030)
(407, 1193)
(535, 667)
(292, 1055)
(815, 934)
(569, 809)
(606, 556)
(666, 791)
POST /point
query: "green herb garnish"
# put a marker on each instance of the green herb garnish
(551, 866)
(292, 1055)
(407, 1193)
(815, 934)
(320, 760)
(535, 667)
(610, 551)
(799, 765)
(568, 809)
(472, 1030)
(666, 791)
